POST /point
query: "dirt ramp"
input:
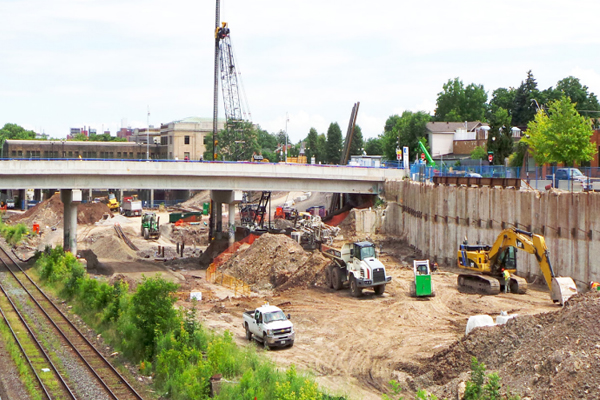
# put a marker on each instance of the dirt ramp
(275, 261)
(545, 356)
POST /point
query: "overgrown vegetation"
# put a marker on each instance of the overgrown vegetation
(480, 386)
(13, 233)
(170, 345)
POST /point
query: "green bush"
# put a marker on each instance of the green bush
(171, 346)
(13, 234)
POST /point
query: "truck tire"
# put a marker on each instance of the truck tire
(354, 289)
(328, 276)
(336, 275)
(248, 333)
(265, 341)
(380, 289)
(146, 234)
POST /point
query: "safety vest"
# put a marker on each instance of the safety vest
(506, 275)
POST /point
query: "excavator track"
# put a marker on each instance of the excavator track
(518, 285)
(471, 283)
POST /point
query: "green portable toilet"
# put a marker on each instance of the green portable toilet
(205, 208)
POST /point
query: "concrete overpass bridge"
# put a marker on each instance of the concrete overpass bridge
(222, 178)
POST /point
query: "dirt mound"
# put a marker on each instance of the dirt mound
(275, 261)
(51, 213)
(545, 356)
(110, 246)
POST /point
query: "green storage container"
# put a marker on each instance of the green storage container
(205, 208)
(174, 217)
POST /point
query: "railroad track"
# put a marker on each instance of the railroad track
(82, 371)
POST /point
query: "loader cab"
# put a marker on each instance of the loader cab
(507, 258)
(363, 250)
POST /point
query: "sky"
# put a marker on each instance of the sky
(103, 64)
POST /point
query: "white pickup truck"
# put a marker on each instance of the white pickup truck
(269, 325)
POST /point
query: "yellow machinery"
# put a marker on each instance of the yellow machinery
(113, 203)
(489, 261)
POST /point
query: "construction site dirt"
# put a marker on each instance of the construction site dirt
(355, 346)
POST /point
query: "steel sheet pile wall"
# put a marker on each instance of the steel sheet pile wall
(437, 219)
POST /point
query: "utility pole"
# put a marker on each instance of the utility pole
(286, 135)
(148, 135)
(216, 81)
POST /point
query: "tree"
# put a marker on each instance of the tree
(585, 103)
(374, 147)
(312, 144)
(479, 153)
(322, 149)
(406, 130)
(561, 136)
(333, 148)
(500, 140)
(152, 310)
(238, 142)
(457, 103)
(14, 131)
(357, 142)
(524, 107)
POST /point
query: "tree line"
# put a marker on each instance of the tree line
(557, 122)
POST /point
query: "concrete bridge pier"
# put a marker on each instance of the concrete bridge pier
(70, 198)
(220, 197)
(23, 199)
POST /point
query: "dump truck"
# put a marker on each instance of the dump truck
(150, 226)
(356, 264)
(270, 326)
(131, 206)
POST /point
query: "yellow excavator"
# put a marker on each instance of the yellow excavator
(488, 262)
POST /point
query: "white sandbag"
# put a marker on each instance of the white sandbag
(504, 317)
(478, 320)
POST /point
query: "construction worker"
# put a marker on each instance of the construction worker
(506, 276)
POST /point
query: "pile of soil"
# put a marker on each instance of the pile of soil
(276, 261)
(110, 246)
(51, 213)
(545, 356)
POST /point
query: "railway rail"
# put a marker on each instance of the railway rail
(107, 381)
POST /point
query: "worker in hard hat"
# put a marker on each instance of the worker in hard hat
(506, 276)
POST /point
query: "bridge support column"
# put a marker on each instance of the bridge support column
(231, 223)
(219, 215)
(70, 198)
(219, 198)
(37, 195)
(23, 199)
(151, 198)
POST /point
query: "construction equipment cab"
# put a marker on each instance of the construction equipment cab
(150, 226)
(422, 286)
(490, 261)
(357, 265)
(113, 203)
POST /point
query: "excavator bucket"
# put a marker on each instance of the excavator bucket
(563, 288)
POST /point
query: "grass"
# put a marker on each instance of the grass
(13, 233)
